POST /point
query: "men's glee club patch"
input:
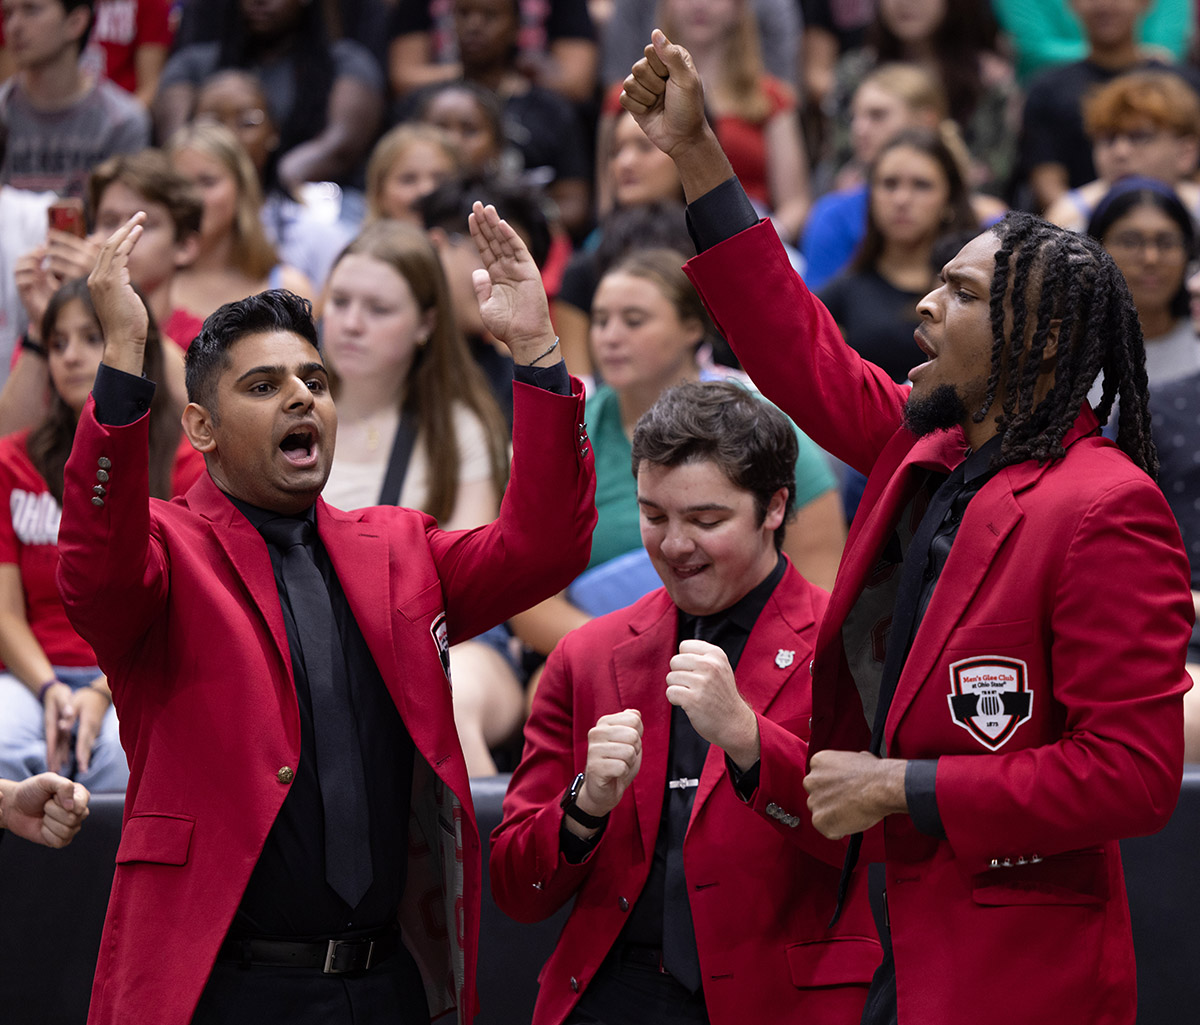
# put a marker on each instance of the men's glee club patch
(990, 697)
(441, 640)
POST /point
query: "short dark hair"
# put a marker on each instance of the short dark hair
(449, 205)
(208, 356)
(70, 5)
(751, 441)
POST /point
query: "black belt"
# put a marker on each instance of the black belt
(332, 957)
(635, 953)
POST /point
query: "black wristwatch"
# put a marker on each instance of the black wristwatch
(573, 810)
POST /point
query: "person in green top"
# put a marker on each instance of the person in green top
(648, 332)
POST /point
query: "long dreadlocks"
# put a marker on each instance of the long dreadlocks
(1057, 276)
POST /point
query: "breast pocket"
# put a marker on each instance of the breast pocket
(160, 839)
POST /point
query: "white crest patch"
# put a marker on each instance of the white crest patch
(784, 658)
(440, 633)
(990, 697)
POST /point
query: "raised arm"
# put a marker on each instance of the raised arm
(112, 572)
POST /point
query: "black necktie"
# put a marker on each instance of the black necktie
(339, 758)
(904, 615)
(688, 752)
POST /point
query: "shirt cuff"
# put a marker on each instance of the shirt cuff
(744, 783)
(575, 848)
(920, 778)
(120, 398)
(553, 378)
(720, 214)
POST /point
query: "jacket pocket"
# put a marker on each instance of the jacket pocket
(422, 604)
(841, 961)
(988, 637)
(1076, 877)
(162, 839)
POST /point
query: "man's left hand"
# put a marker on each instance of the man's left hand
(512, 299)
(850, 791)
(701, 682)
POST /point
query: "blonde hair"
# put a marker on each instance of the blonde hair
(253, 253)
(742, 70)
(390, 150)
(443, 372)
(911, 83)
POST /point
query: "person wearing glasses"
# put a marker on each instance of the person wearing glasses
(1149, 234)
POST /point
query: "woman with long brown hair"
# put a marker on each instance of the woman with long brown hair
(418, 427)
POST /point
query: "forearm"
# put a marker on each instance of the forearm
(21, 653)
(25, 393)
(702, 164)
(547, 623)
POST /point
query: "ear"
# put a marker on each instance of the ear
(186, 250)
(1051, 348)
(77, 21)
(695, 331)
(198, 426)
(774, 518)
(428, 323)
(1187, 155)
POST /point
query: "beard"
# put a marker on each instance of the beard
(940, 410)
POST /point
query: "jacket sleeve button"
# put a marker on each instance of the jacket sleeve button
(97, 500)
(104, 463)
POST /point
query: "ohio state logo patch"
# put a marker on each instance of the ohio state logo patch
(990, 697)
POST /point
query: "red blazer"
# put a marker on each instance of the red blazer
(764, 884)
(1047, 674)
(179, 601)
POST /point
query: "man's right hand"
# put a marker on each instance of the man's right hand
(613, 759)
(665, 96)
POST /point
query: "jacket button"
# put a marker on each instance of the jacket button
(285, 774)
(623, 904)
(97, 500)
(98, 490)
(574, 984)
(102, 476)
(104, 463)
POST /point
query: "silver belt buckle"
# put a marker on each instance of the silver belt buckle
(331, 952)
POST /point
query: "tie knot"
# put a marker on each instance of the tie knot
(286, 532)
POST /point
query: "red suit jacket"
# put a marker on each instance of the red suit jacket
(180, 603)
(1047, 674)
(763, 885)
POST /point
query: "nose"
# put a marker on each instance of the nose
(927, 308)
(297, 396)
(677, 544)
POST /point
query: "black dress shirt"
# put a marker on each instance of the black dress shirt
(730, 630)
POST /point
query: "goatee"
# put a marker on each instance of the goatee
(940, 410)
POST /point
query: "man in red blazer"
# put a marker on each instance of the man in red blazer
(240, 893)
(702, 892)
(998, 680)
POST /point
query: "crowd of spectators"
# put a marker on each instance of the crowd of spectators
(334, 147)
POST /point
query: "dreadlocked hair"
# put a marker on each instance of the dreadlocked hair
(1049, 275)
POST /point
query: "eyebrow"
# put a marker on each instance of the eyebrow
(956, 276)
(703, 507)
(278, 370)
